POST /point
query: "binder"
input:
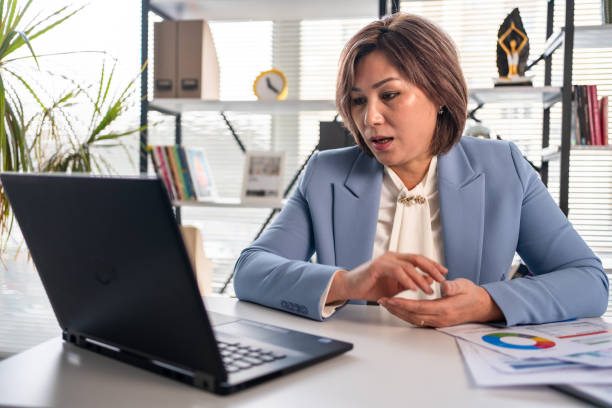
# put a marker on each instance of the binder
(164, 59)
(197, 67)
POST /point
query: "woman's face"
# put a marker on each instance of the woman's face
(395, 117)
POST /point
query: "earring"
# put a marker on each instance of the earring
(441, 111)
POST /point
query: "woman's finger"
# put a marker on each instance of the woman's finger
(417, 277)
(397, 272)
(435, 270)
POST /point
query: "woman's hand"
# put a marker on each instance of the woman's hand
(463, 301)
(386, 275)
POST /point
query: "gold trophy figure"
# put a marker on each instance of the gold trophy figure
(512, 52)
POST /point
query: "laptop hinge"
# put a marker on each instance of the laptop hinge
(199, 379)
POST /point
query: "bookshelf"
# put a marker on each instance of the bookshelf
(234, 10)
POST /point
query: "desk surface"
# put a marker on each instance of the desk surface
(390, 363)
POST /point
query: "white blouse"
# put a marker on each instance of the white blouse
(408, 222)
(412, 226)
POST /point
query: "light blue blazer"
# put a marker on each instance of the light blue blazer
(492, 205)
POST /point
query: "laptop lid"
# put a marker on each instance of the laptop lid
(103, 248)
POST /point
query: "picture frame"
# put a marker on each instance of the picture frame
(263, 177)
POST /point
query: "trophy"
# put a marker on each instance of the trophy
(512, 52)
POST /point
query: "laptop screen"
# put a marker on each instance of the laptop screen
(112, 261)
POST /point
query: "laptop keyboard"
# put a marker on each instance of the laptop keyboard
(237, 356)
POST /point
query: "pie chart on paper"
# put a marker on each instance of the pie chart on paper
(518, 341)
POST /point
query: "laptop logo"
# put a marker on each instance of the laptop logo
(103, 273)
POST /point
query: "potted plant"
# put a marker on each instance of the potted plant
(48, 139)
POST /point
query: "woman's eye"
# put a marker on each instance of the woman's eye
(387, 96)
(359, 100)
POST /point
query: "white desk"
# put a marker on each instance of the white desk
(390, 365)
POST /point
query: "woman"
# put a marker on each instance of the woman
(385, 216)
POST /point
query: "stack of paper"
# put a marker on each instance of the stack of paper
(570, 352)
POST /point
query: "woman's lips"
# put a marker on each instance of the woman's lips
(381, 143)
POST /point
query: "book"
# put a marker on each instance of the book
(603, 109)
(575, 123)
(185, 171)
(165, 167)
(581, 109)
(595, 117)
(181, 173)
(201, 175)
(176, 172)
(158, 165)
(589, 115)
(606, 11)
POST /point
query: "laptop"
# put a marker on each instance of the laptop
(112, 260)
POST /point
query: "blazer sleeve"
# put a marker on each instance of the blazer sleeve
(274, 271)
(569, 280)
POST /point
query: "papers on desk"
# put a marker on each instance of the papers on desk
(540, 341)
(484, 365)
(571, 352)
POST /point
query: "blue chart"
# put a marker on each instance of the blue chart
(497, 339)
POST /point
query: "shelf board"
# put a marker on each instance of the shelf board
(227, 202)
(548, 95)
(266, 9)
(587, 147)
(593, 36)
(553, 153)
(178, 105)
(518, 94)
(598, 36)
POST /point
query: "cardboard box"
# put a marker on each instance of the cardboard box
(202, 266)
(197, 66)
(165, 59)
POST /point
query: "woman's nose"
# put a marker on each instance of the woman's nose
(373, 115)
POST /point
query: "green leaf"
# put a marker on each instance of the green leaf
(27, 41)
(17, 44)
(6, 44)
(11, 7)
(20, 14)
(1, 17)
(28, 87)
(118, 135)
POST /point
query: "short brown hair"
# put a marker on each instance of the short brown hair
(426, 56)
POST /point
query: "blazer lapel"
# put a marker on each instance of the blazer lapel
(355, 212)
(461, 194)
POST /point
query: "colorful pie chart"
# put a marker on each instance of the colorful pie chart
(497, 340)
